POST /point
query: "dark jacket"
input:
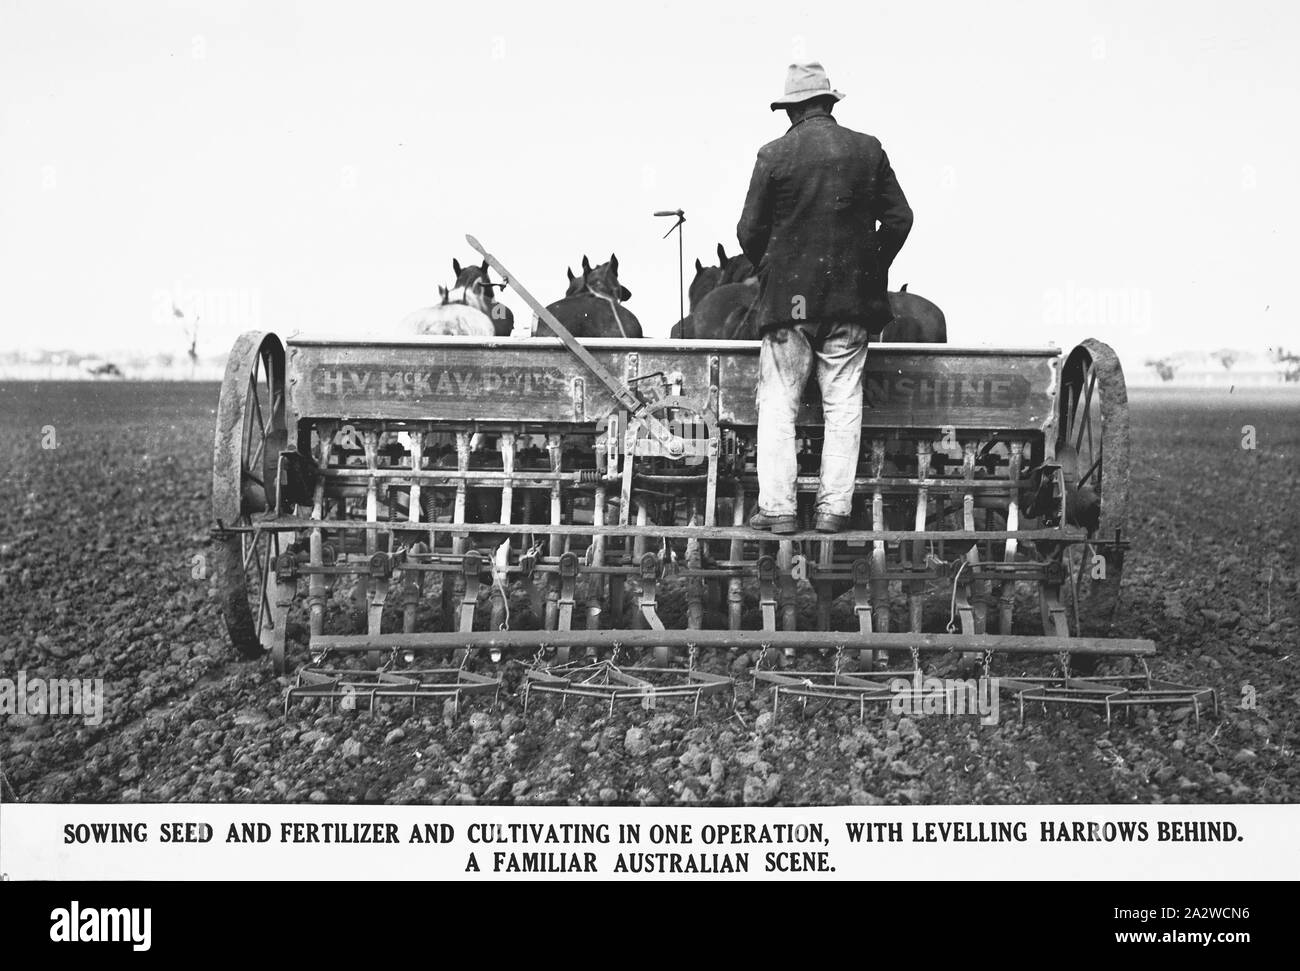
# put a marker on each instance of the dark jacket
(809, 225)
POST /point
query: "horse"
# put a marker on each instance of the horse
(595, 309)
(474, 280)
(455, 314)
(706, 278)
(730, 270)
(915, 320)
(727, 313)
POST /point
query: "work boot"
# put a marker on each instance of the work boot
(776, 524)
(828, 522)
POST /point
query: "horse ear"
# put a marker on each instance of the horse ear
(903, 288)
(442, 292)
(722, 256)
(586, 265)
(699, 267)
(455, 266)
(569, 273)
(613, 263)
(484, 268)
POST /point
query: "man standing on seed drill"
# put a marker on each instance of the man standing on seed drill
(810, 226)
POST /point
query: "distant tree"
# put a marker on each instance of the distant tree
(1163, 367)
(1289, 360)
(192, 332)
(1226, 358)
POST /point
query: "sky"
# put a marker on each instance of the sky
(1125, 170)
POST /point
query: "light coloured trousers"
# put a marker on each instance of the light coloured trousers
(785, 363)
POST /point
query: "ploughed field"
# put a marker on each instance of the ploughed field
(101, 576)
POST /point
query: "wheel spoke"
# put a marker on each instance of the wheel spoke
(257, 457)
(1091, 447)
(1071, 412)
(1084, 426)
(256, 559)
(276, 396)
(257, 405)
(260, 451)
(263, 606)
(1090, 378)
(277, 402)
(1096, 466)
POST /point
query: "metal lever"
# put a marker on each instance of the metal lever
(624, 395)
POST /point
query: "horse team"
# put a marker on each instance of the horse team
(722, 306)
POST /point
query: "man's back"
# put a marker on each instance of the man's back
(809, 224)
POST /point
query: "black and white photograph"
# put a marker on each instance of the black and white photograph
(670, 440)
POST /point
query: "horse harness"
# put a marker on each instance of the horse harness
(613, 306)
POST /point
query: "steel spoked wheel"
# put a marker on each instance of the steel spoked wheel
(1092, 447)
(251, 432)
(246, 577)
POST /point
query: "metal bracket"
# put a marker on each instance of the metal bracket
(862, 594)
(381, 566)
(471, 567)
(649, 590)
(286, 566)
(767, 575)
(568, 589)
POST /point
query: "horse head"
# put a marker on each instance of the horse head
(603, 280)
(706, 278)
(735, 269)
(576, 283)
(592, 306)
(478, 287)
(474, 285)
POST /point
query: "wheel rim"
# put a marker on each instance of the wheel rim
(251, 433)
(1092, 448)
(263, 434)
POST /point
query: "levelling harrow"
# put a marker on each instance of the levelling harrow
(581, 507)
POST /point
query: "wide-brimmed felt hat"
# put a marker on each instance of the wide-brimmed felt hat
(805, 81)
